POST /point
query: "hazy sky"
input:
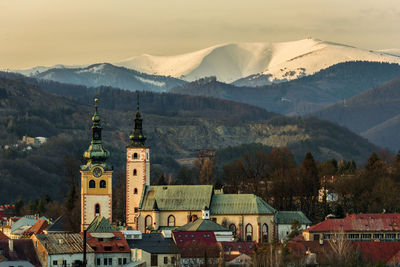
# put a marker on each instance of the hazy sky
(47, 32)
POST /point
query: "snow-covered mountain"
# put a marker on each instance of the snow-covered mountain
(274, 61)
(105, 74)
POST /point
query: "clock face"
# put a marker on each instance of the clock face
(97, 172)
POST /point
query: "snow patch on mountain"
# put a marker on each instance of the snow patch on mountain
(230, 62)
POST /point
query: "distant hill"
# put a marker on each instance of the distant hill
(374, 114)
(109, 75)
(304, 95)
(176, 127)
(275, 61)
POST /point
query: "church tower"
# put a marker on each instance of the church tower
(96, 177)
(137, 171)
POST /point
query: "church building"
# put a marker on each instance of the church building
(169, 206)
(154, 208)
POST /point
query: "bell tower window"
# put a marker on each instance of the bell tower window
(103, 184)
(135, 191)
(135, 155)
(92, 184)
(134, 172)
(97, 210)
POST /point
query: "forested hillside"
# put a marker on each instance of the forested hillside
(176, 126)
(374, 114)
(304, 95)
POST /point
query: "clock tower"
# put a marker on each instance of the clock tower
(96, 177)
(137, 171)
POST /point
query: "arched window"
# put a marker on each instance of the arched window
(148, 222)
(135, 191)
(171, 220)
(135, 155)
(249, 232)
(265, 233)
(102, 184)
(92, 184)
(97, 210)
(134, 172)
(232, 227)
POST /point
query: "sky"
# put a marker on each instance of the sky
(48, 32)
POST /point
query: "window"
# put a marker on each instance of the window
(171, 220)
(232, 228)
(64, 263)
(154, 260)
(135, 155)
(390, 236)
(136, 209)
(98, 262)
(148, 222)
(365, 236)
(102, 184)
(135, 191)
(327, 236)
(109, 261)
(97, 209)
(92, 184)
(124, 261)
(249, 232)
(134, 172)
(165, 260)
(119, 261)
(316, 237)
(55, 263)
(107, 248)
(105, 261)
(265, 233)
(173, 259)
(378, 236)
(354, 236)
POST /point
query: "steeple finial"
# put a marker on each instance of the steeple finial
(137, 137)
(96, 154)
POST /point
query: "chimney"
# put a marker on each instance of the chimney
(11, 245)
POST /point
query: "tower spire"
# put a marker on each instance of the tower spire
(137, 137)
(96, 154)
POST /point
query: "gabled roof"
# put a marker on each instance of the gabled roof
(63, 243)
(239, 204)
(202, 225)
(23, 222)
(60, 225)
(100, 225)
(23, 250)
(176, 197)
(116, 244)
(37, 228)
(197, 244)
(287, 217)
(154, 243)
(360, 222)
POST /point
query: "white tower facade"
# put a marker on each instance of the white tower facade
(137, 172)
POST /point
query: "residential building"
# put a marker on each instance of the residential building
(238, 253)
(358, 227)
(62, 250)
(155, 249)
(110, 246)
(284, 220)
(18, 252)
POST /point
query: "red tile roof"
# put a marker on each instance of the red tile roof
(235, 249)
(3, 236)
(378, 251)
(37, 228)
(196, 244)
(360, 222)
(117, 244)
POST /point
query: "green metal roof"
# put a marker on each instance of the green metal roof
(100, 225)
(202, 225)
(239, 204)
(177, 197)
(287, 217)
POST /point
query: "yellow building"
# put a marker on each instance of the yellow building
(96, 178)
(166, 207)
